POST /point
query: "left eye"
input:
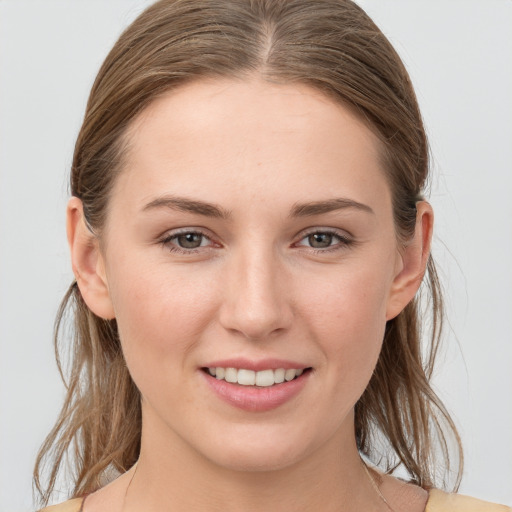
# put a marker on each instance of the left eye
(322, 240)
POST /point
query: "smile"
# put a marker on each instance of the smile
(263, 378)
(257, 389)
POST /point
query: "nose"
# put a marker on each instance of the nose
(256, 302)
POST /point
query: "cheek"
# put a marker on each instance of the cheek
(159, 312)
(347, 316)
(349, 300)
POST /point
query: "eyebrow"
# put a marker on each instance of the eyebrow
(183, 204)
(330, 205)
(211, 210)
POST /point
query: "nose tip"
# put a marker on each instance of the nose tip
(253, 325)
(256, 304)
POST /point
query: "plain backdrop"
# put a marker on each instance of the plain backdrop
(459, 54)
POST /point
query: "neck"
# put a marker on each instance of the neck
(179, 478)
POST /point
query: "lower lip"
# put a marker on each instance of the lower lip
(256, 399)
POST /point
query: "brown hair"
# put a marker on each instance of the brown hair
(333, 46)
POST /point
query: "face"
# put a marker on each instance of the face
(250, 229)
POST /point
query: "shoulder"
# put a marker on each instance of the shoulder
(73, 505)
(440, 501)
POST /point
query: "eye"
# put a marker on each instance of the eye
(323, 241)
(186, 241)
(190, 240)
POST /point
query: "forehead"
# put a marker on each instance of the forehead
(228, 139)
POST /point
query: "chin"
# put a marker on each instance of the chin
(258, 451)
(254, 461)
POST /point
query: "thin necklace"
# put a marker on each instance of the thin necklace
(367, 471)
(376, 486)
(128, 486)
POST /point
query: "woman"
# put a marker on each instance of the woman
(248, 234)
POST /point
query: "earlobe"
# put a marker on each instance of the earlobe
(414, 259)
(87, 262)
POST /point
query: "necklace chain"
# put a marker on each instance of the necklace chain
(376, 486)
(367, 471)
(128, 486)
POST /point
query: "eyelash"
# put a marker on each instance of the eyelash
(166, 241)
(343, 241)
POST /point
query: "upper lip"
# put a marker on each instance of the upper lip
(262, 364)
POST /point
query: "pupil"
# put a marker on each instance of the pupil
(320, 240)
(190, 240)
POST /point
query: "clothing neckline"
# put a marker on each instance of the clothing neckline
(429, 495)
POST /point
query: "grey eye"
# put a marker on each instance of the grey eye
(189, 240)
(320, 240)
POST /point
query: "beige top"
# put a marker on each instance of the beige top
(74, 505)
(438, 501)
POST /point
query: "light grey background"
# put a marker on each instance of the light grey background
(459, 53)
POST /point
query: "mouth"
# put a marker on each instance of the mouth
(256, 385)
(256, 379)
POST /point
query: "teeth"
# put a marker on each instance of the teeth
(289, 375)
(231, 375)
(246, 377)
(279, 375)
(263, 378)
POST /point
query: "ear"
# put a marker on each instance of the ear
(87, 262)
(412, 262)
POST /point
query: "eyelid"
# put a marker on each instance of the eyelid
(346, 239)
(168, 236)
(341, 233)
(169, 233)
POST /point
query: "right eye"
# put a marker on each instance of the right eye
(186, 242)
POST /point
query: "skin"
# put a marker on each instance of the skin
(256, 288)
